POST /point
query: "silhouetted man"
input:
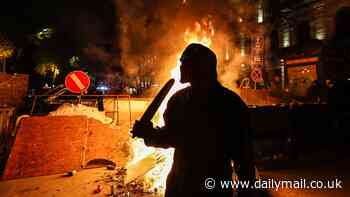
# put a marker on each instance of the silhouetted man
(208, 125)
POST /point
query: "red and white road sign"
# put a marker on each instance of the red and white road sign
(77, 81)
(256, 75)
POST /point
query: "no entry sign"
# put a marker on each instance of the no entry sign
(256, 75)
(77, 81)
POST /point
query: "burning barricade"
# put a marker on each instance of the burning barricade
(75, 137)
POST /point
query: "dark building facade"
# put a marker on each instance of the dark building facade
(300, 28)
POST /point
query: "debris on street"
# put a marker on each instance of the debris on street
(68, 109)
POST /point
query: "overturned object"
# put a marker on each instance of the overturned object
(56, 144)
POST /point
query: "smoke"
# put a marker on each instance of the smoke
(88, 29)
(152, 34)
(97, 53)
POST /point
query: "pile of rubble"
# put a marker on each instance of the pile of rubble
(68, 109)
(123, 181)
(119, 188)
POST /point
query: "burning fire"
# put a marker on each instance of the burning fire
(202, 33)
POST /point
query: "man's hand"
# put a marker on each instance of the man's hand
(142, 129)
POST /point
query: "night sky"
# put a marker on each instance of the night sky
(29, 16)
(77, 25)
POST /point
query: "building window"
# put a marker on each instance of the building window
(318, 30)
(260, 13)
(285, 38)
(242, 46)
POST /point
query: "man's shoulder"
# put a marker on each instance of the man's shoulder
(228, 92)
(180, 95)
(225, 95)
(231, 95)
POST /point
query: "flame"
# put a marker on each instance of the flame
(202, 32)
(227, 54)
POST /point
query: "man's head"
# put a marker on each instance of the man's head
(198, 64)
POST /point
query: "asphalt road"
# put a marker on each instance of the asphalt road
(316, 171)
(86, 182)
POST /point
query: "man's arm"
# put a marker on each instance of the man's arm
(164, 137)
(157, 137)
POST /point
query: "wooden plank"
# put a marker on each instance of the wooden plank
(140, 168)
(46, 145)
(56, 144)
